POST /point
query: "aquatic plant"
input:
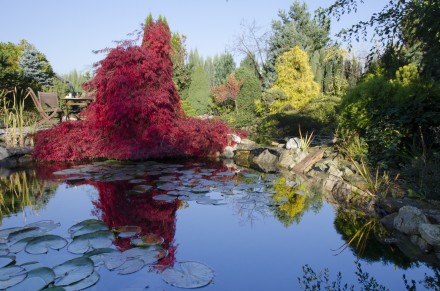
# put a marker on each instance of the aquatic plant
(137, 113)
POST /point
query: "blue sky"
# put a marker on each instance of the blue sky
(68, 31)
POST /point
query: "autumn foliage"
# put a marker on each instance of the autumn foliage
(137, 113)
(229, 91)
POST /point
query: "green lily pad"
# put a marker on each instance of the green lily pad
(188, 275)
(98, 255)
(20, 245)
(91, 241)
(84, 223)
(25, 232)
(147, 239)
(164, 197)
(36, 279)
(10, 276)
(130, 266)
(42, 244)
(84, 283)
(45, 225)
(4, 233)
(126, 230)
(89, 229)
(4, 249)
(6, 260)
(73, 271)
(114, 260)
(147, 255)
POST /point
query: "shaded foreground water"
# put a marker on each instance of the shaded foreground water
(252, 230)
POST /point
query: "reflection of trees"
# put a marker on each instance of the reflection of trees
(21, 189)
(363, 235)
(294, 202)
(118, 207)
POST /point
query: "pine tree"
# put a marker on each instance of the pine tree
(35, 67)
(223, 67)
(295, 79)
(199, 97)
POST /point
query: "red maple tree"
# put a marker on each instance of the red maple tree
(137, 113)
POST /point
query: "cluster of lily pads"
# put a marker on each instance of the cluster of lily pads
(202, 185)
(92, 240)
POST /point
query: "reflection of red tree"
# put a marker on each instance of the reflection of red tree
(119, 207)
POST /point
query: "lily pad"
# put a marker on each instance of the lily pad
(4, 233)
(147, 239)
(147, 255)
(25, 232)
(4, 249)
(45, 225)
(6, 260)
(98, 255)
(73, 271)
(89, 229)
(164, 197)
(84, 283)
(42, 244)
(11, 276)
(114, 260)
(84, 223)
(130, 266)
(126, 230)
(20, 245)
(36, 279)
(188, 275)
(90, 241)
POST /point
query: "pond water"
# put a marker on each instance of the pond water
(248, 230)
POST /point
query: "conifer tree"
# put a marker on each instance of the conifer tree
(295, 79)
(199, 97)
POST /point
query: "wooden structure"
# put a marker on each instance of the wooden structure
(47, 105)
(74, 106)
(305, 164)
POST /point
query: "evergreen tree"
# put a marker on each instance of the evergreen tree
(199, 97)
(295, 79)
(223, 67)
(208, 66)
(181, 71)
(295, 28)
(194, 59)
(35, 67)
(11, 74)
(249, 93)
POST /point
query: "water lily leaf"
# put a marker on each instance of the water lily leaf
(84, 223)
(142, 188)
(126, 230)
(137, 181)
(114, 260)
(147, 239)
(74, 180)
(6, 260)
(20, 245)
(147, 255)
(90, 241)
(36, 279)
(11, 276)
(167, 187)
(188, 275)
(45, 225)
(199, 189)
(84, 283)
(130, 266)
(164, 197)
(4, 233)
(89, 229)
(4, 249)
(42, 244)
(25, 232)
(98, 255)
(73, 271)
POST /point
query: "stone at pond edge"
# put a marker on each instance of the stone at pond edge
(408, 220)
(293, 143)
(421, 243)
(430, 233)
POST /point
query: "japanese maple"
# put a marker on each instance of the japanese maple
(228, 92)
(137, 112)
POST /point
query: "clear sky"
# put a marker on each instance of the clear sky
(68, 31)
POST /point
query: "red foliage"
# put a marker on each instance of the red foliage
(137, 113)
(228, 91)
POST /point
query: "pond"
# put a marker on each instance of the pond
(163, 226)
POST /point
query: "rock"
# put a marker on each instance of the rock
(242, 158)
(267, 161)
(333, 171)
(293, 143)
(421, 243)
(287, 158)
(246, 144)
(234, 138)
(409, 219)
(431, 233)
(3, 153)
(306, 163)
(388, 221)
(228, 153)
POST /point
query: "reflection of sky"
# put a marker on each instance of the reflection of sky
(247, 253)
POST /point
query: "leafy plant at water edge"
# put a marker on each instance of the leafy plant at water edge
(306, 140)
(378, 184)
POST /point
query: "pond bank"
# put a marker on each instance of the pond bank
(412, 225)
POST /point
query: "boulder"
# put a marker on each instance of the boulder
(242, 158)
(409, 219)
(228, 153)
(3, 153)
(266, 160)
(234, 138)
(293, 143)
(430, 233)
(421, 243)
